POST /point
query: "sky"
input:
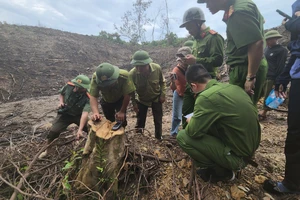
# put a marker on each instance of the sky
(89, 17)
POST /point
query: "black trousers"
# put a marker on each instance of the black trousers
(110, 110)
(157, 116)
(292, 143)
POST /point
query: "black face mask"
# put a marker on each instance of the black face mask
(198, 35)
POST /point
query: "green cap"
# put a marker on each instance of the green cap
(188, 43)
(82, 81)
(141, 58)
(106, 74)
(272, 34)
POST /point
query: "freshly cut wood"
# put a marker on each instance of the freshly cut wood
(103, 156)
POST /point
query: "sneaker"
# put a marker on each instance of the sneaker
(43, 155)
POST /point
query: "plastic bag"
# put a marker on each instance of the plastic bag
(272, 101)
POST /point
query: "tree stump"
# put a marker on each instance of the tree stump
(102, 157)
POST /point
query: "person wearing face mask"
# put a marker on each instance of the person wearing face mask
(223, 133)
(207, 50)
(115, 88)
(150, 86)
(178, 84)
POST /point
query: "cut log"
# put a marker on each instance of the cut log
(102, 157)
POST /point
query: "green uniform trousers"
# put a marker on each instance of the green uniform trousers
(60, 124)
(209, 152)
(238, 74)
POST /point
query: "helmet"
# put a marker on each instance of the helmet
(188, 43)
(106, 74)
(272, 34)
(141, 58)
(192, 14)
(82, 81)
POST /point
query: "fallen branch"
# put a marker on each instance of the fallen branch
(27, 172)
(156, 158)
(21, 192)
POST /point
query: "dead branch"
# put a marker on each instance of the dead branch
(192, 175)
(17, 168)
(93, 191)
(27, 171)
(156, 158)
(20, 191)
(197, 189)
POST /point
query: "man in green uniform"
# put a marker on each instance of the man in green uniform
(224, 132)
(245, 43)
(115, 88)
(150, 88)
(207, 50)
(74, 107)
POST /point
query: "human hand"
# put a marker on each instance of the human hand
(188, 120)
(280, 91)
(297, 13)
(189, 59)
(120, 116)
(96, 117)
(249, 86)
(136, 108)
(61, 105)
(162, 99)
(79, 134)
(284, 21)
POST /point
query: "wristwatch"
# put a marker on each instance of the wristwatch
(248, 78)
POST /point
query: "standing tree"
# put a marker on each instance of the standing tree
(134, 22)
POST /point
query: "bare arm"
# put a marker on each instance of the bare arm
(94, 107)
(120, 116)
(83, 121)
(255, 54)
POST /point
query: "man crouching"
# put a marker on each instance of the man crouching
(224, 132)
(74, 107)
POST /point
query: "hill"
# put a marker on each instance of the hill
(36, 61)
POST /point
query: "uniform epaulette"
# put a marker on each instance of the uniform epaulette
(212, 32)
(124, 74)
(70, 83)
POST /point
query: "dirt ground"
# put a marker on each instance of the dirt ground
(24, 126)
(36, 62)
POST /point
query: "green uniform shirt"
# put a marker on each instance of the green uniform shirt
(150, 88)
(113, 93)
(226, 112)
(244, 27)
(209, 50)
(77, 102)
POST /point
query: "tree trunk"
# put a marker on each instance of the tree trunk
(102, 157)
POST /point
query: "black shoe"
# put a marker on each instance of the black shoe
(205, 173)
(277, 188)
(227, 175)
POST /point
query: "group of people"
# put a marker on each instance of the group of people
(220, 123)
(144, 85)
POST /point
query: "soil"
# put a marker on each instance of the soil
(36, 62)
